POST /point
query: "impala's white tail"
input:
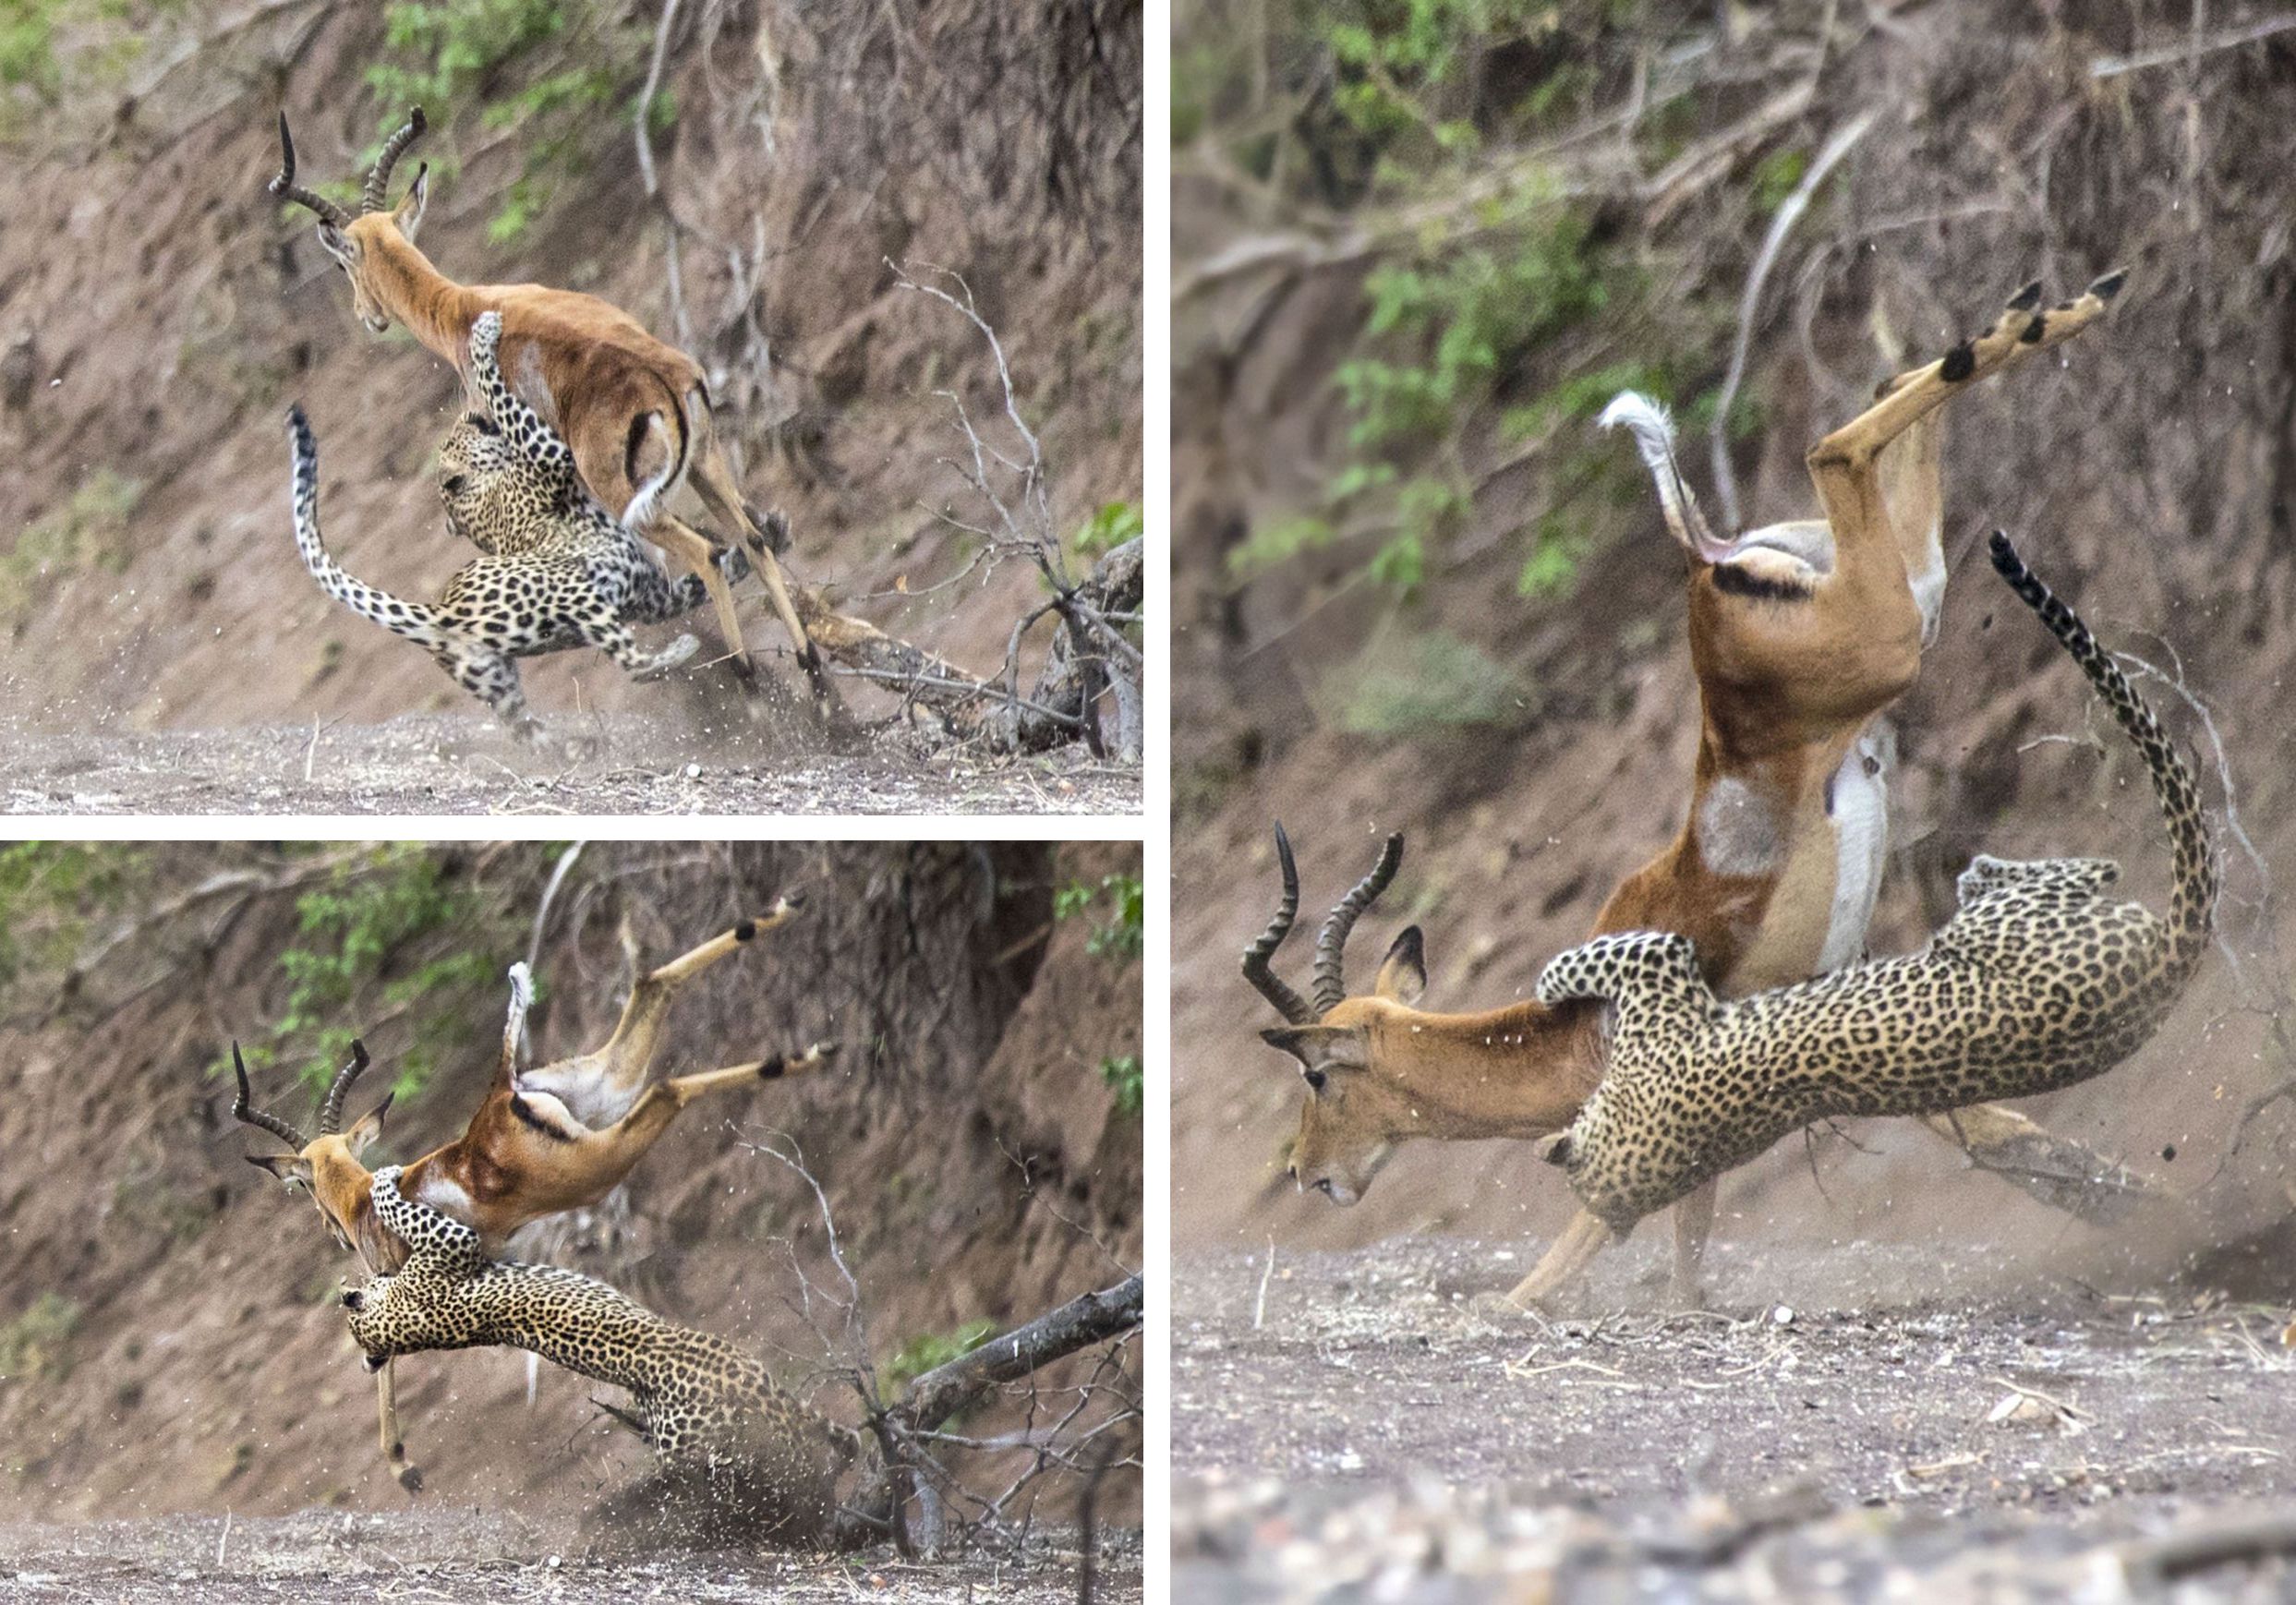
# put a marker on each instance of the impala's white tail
(1653, 430)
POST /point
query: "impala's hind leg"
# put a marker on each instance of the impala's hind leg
(713, 481)
(2022, 331)
(614, 1151)
(598, 1086)
(691, 549)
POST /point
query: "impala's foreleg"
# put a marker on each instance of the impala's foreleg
(1564, 1261)
(394, 1446)
(1694, 1224)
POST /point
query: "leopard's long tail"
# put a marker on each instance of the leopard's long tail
(2193, 902)
(416, 620)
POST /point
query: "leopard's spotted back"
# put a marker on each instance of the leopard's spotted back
(559, 571)
(2036, 982)
(701, 1400)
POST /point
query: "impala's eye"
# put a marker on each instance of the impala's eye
(1315, 1080)
(452, 484)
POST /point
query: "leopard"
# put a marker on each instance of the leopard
(556, 571)
(702, 1404)
(2038, 981)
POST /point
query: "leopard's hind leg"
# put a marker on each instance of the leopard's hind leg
(604, 630)
(654, 598)
(492, 677)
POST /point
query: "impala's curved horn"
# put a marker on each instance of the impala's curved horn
(247, 1114)
(1331, 941)
(378, 180)
(331, 1111)
(1256, 957)
(286, 189)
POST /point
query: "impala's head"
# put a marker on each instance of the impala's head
(356, 243)
(1353, 1116)
(330, 1166)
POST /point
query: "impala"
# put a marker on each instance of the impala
(546, 1140)
(635, 411)
(1801, 635)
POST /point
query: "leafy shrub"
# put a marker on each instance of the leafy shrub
(1119, 936)
(571, 64)
(36, 1346)
(1412, 683)
(352, 928)
(88, 534)
(931, 1350)
(1124, 1075)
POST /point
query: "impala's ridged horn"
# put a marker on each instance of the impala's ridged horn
(1331, 941)
(247, 1114)
(379, 181)
(286, 189)
(331, 1111)
(1256, 970)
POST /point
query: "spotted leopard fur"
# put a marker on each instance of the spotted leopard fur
(702, 1402)
(2036, 982)
(558, 569)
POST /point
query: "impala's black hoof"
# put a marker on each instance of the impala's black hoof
(2027, 298)
(1960, 363)
(2106, 288)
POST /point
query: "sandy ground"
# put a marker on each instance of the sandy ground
(1841, 1413)
(600, 763)
(471, 1556)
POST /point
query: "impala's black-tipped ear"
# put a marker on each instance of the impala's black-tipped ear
(408, 213)
(1402, 973)
(1555, 1150)
(368, 1127)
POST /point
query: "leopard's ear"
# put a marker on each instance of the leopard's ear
(1553, 1149)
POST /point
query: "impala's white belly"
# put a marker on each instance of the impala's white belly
(1860, 816)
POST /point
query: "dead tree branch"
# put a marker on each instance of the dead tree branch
(1080, 1323)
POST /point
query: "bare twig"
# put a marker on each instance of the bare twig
(1750, 303)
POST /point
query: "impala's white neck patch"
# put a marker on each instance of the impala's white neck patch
(1737, 830)
(1859, 809)
(1929, 584)
(447, 1197)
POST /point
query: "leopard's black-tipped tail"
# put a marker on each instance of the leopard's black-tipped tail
(417, 622)
(2193, 902)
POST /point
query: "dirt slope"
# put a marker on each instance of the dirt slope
(977, 1168)
(2146, 473)
(170, 312)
